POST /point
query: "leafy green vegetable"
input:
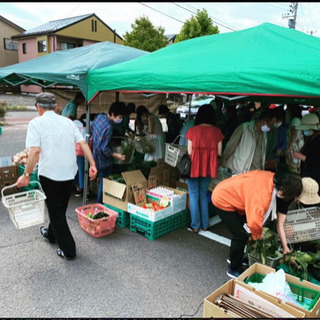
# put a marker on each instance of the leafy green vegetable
(100, 215)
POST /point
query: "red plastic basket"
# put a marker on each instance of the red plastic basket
(99, 227)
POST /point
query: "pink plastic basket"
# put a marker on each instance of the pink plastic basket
(99, 227)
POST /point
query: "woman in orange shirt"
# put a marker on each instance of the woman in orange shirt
(246, 201)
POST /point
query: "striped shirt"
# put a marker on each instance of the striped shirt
(102, 129)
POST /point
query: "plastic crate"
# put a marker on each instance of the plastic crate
(302, 225)
(304, 295)
(99, 227)
(271, 262)
(123, 219)
(154, 230)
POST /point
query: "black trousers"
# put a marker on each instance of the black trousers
(58, 195)
(234, 222)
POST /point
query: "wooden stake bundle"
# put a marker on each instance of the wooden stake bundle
(244, 310)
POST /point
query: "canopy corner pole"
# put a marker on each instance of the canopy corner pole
(189, 96)
(86, 164)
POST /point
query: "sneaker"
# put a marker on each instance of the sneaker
(60, 253)
(245, 262)
(234, 274)
(45, 233)
(78, 193)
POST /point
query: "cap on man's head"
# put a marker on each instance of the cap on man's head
(46, 99)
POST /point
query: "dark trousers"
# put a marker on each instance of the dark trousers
(58, 194)
(234, 222)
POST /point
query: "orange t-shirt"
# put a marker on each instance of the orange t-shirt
(248, 193)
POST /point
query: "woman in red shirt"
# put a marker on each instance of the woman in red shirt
(204, 147)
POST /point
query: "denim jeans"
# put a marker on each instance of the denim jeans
(80, 173)
(103, 173)
(199, 209)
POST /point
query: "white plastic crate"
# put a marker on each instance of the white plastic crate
(302, 225)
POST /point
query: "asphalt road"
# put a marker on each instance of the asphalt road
(122, 275)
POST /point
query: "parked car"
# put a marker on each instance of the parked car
(196, 102)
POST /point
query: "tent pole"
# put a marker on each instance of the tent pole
(86, 164)
(190, 100)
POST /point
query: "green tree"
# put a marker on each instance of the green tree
(197, 26)
(145, 36)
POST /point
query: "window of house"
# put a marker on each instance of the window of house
(93, 25)
(10, 45)
(65, 45)
(42, 46)
(24, 48)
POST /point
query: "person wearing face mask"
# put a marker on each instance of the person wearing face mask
(246, 148)
(309, 154)
(102, 130)
(276, 143)
(245, 211)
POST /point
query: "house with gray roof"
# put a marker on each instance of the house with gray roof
(62, 34)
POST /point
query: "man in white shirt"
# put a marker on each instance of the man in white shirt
(51, 139)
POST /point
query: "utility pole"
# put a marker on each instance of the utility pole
(292, 15)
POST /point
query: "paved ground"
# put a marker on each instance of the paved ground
(121, 275)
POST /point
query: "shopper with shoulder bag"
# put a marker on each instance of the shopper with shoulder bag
(204, 147)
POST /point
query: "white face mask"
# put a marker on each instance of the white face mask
(308, 133)
(117, 120)
(265, 128)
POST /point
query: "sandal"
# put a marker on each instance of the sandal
(193, 230)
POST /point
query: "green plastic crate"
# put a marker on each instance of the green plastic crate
(123, 219)
(154, 230)
(303, 294)
(33, 177)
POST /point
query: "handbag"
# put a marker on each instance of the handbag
(184, 166)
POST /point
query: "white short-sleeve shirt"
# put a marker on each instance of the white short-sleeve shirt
(55, 135)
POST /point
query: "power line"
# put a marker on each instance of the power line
(223, 25)
(161, 12)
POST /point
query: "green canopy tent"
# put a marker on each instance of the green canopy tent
(68, 68)
(266, 62)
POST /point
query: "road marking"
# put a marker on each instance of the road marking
(213, 236)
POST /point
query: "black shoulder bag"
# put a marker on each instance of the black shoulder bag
(184, 166)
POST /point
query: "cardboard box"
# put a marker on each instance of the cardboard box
(162, 174)
(264, 270)
(183, 186)
(9, 173)
(177, 203)
(9, 191)
(149, 214)
(239, 289)
(118, 194)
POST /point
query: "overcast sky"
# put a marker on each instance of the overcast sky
(228, 16)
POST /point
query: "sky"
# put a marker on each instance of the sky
(119, 16)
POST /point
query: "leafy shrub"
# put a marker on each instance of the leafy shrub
(3, 110)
